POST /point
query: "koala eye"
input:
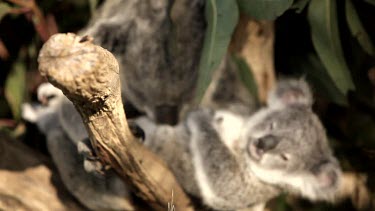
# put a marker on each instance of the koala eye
(266, 143)
(284, 157)
(50, 97)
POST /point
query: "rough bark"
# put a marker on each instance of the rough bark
(89, 76)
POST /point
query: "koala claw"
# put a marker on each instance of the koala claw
(91, 163)
(85, 148)
(94, 167)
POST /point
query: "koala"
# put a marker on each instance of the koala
(244, 161)
(158, 45)
(70, 149)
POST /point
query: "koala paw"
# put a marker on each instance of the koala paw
(29, 112)
(91, 162)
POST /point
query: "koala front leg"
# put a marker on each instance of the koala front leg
(107, 193)
(91, 162)
(222, 182)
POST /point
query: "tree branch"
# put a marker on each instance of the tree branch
(89, 76)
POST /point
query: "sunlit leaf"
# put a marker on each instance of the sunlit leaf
(321, 81)
(4, 9)
(264, 9)
(357, 29)
(15, 88)
(221, 17)
(322, 16)
(247, 77)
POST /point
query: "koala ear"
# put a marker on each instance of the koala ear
(290, 92)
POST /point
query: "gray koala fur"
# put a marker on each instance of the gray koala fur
(244, 161)
(158, 45)
(65, 132)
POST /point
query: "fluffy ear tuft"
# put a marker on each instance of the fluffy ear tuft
(290, 92)
(328, 175)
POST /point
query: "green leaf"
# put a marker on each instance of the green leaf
(246, 76)
(221, 17)
(322, 16)
(299, 5)
(264, 9)
(15, 88)
(321, 81)
(4, 9)
(357, 29)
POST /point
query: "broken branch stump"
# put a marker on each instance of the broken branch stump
(89, 76)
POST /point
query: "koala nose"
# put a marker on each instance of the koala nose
(266, 143)
(259, 146)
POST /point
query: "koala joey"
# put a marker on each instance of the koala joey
(157, 44)
(244, 161)
(70, 149)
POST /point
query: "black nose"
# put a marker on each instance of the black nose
(266, 143)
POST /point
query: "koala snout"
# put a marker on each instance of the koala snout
(261, 145)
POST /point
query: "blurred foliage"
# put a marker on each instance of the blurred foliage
(15, 88)
(330, 42)
(22, 41)
(322, 16)
(222, 17)
(266, 10)
(4, 9)
(246, 77)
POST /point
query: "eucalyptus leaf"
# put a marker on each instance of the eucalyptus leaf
(246, 76)
(221, 17)
(264, 9)
(357, 29)
(321, 81)
(4, 9)
(15, 88)
(322, 16)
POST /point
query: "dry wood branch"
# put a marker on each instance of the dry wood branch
(89, 76)
(253, 40)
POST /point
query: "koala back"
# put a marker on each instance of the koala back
(158, 45)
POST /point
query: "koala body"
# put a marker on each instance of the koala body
(244, 161)
(66, 142)
(157, 44)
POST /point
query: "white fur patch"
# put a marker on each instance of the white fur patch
(307, 185)
(228, 125)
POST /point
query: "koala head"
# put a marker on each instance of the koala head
(286, 145)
